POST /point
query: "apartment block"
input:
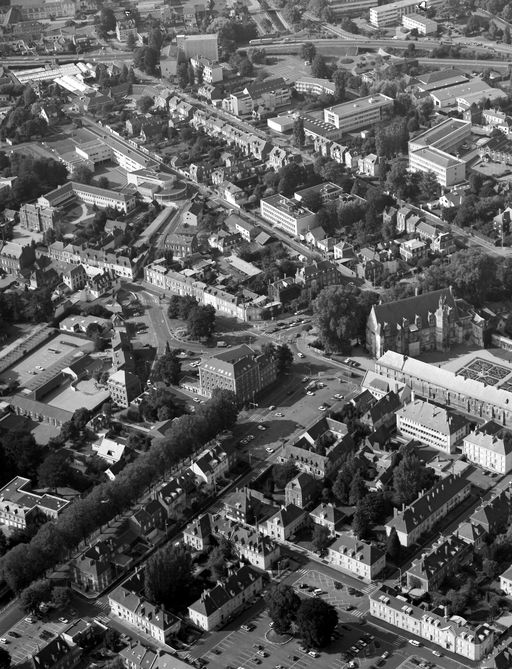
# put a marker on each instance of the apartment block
(451, 634)
(422, 514)
(421, 24)
(204, 45)
(444, 558)
(18, 502)
(358, 113)
(391, 14)
(449, 170)
(314, 86)
(123, 387)
(431, 425)
(101, 197)
(287, 214)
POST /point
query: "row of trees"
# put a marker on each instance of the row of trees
(55, 540)
(200, 319)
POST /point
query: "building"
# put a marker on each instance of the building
(309, 453)
(462, 95)
(354, 8)
(428, 322)
(446, 136)
(431, 425)
(489, 446)
(210, 71)
(205, 46)
(197, 534)
(413, 250)
(493, 515)
(358, 113)
(36, 218)
(358, 558)
(421, 24)
(283, 524)
(449, 634)
(506, 581)
(18, 502)
(123, 387)
(391, 14)
(302, 490)
(444, 558)
(14, 258)
(450, 389)
(430, 81)
(329, 516)
(100, 197)
(314, 86)
(213, 609)
(56, 654)
(128, 603)
(422, 514)
(287, 214)
(214, 462)
(449, 170)
(316, 275)
(125, 28)
(35, 10)
(241, 370)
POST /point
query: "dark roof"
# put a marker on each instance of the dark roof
(211, 601)
(51, 654)
(392, 313)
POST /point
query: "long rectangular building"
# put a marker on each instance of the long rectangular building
(444, 387)
(451, 634)
(391, 14)
(358, 113)
(287, 214)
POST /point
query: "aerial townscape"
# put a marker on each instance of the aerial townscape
(256, 334)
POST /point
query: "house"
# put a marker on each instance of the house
(506, 581)
(14, 258)
(489, 446)
(182, 243)
(123, 387)
(56, 654)
(128, 603)
(432, 425)
(493, 515)
(197, 534)
(174, 494)
(238, 506)
(247, 542)
(301, 490)
(18, 503)
(362, 559)
(110, 450)
(422, 514)
(445, 557)
(318, 274)
(329, 516)
(214, 462)
(215, 606)
(284, 523)
(413, 250)
(382, 412)
(369, 165)
(75, 278)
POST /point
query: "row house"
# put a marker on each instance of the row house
(329, 516)
(284, 523)
(444, 558)
(214, 462)
(118, 263)
(422, 515)
(128, 604)
(489, 446)
(453, 635)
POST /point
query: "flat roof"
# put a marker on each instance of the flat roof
(349, 108)
(436, 156)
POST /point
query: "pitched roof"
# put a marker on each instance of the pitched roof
(212, 600)
(393, 313)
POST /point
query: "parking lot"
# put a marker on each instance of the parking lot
(31, 637)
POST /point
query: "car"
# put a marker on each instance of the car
(63, 620)
(279, 414)
(196, 400)
(338, 396)
(271, 624)
(301, 355)
(318, 591)
(321, 408)
(305, 379)
(215, 651)
(338, 585)
(271, 407)
(258, 646)
(269, 449)
(309, 392)
(349, 607)
(413, 642)
(15, 635)
(262, 428)
(293, 658)
(262, 653)
(256, 660)
(246, 628)
(29, 619)
(437, 653)
(244, 442)
(385, 655)
(250, 437)
(313, 653)
(303, 586)
(4, 641)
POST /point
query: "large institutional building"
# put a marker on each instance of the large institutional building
(240, 370)
(428, 322)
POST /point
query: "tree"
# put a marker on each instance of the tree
(168, 368)
(83, 175)
(29, 96)
(131, 42)
(282, 605)
(107, 19)
(409, 477)
(5, 659)
(55, 470)
(316, 622)
(22, 451)
(319, 67)
(217, 564)
(112, 639)
(284, 358)
(103, 182)
(321, 539)
(145, 103)
(61, 596)
(358, 488)
(283, 472)
(308, 51)
(168, 577)
(361, 521)
(245, 67)
(34, 595)
(393, 545)
(299, 136)
(490, 568)
(201, 322)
